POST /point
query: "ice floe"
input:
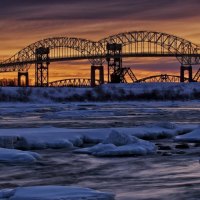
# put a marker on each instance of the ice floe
(54, 193)
(6, 193)
(120, 144)
(193, 136)
(51, 137)
(13, 155)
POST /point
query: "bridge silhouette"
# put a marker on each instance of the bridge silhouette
(79, 82)
(109, 51)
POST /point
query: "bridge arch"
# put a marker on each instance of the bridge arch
(147, 43)
(135, 44)
(60, 48)
(73, 82)
(161, 78)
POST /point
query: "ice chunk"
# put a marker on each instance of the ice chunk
(193, 136)
(96, 149)
(167, 125)
(120, 144)
(13, 155)
(6, 193)
(56, 193)
(118, 139)
(8, 141)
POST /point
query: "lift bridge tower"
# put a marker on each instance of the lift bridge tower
(116, 72)
(42, 67)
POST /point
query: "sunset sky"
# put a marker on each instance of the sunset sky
(23, 22)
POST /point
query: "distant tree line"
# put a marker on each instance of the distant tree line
(8, 82)
(11, 82)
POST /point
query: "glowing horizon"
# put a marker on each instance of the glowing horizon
(25, 22)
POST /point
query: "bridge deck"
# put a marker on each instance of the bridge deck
(59, 59)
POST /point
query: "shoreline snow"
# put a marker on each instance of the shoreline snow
(108, 92)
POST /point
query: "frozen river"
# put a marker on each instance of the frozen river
(97, 115)
(174, 176)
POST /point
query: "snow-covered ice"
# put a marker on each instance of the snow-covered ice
(13, 155)
(54, 193)
(51, 137)
(120, 144)
(193, 136)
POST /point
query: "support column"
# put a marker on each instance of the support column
(20, 74)
(190, 74)
(182, 73)
(93, 75)
(42, 67)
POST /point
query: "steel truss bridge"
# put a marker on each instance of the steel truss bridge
(110, 51)
(161, 78)
(77, 82)
(74, 82)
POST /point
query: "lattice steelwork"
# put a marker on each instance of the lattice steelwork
(155, 44)
(114, 59)
(76, 82)
(134, 44)
(197, 76)
(161, 78)
(42, 67)
(128, 72)
(61, 49)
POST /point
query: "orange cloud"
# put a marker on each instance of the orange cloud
(25, 22)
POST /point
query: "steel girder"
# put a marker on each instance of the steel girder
(135, 44)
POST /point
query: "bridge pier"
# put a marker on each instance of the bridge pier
(42, 67)
(20, 75)
(93, 75)
(182, 73)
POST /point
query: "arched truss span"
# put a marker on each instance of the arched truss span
(75, 82)
(151, 44)
(135, 44)
(61, 48)
(161, 78)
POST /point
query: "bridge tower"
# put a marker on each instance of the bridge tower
(182, 74)
(114, 59)
(42, 67)
(116, 72)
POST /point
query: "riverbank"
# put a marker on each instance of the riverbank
(108, 92)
